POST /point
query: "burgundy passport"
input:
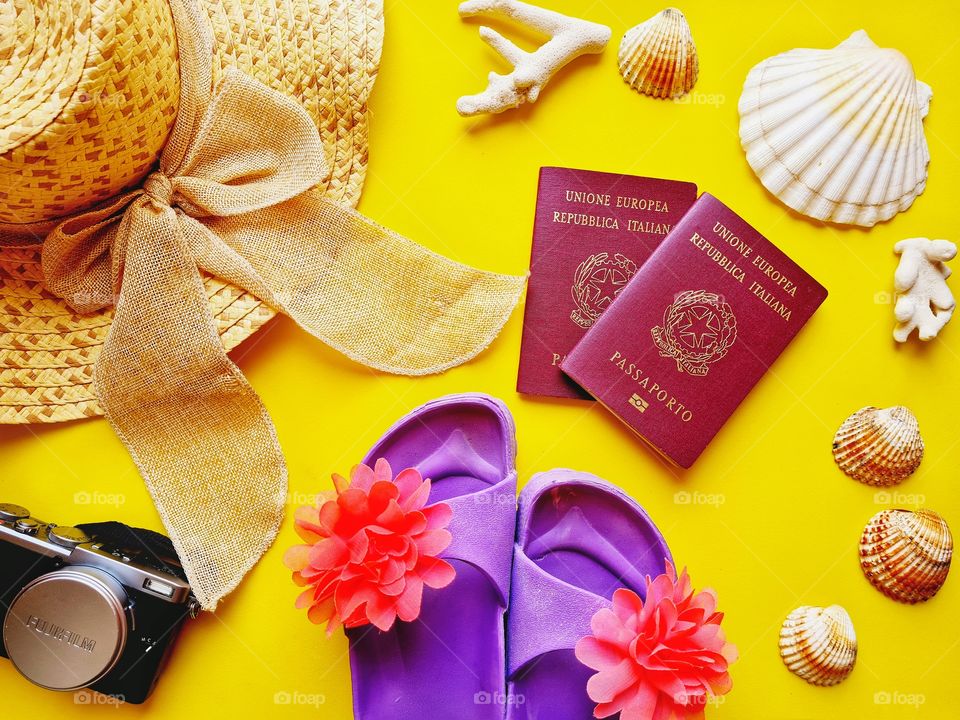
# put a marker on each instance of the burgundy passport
(694, 331)
(591, 232)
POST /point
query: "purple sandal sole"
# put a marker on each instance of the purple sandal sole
(579, 538)
(449, 663)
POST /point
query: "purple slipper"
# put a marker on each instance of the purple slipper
(579, 538)
(449, 662)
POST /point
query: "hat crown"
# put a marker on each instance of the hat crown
(89, 90)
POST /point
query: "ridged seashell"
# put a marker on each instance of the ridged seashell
(906, 554)
(879, 446)
(819, 644)
(838, 134)
(658, 57)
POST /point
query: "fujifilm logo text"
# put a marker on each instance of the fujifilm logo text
(57, 632)
(651, 389)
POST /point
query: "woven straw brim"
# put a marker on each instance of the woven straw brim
(325, 53)
(47, 351)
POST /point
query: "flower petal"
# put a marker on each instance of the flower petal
(328, 516)
(361, 477)
(334, 624)
(395, 588)
(438, 515)
(321, 612)
(391, 516)
(408, 604)
(435, 573)
(597, 654)
(434, 542)
(417, 499)
(382, 471)
(414, 523)
(305, 599)
(297, 557)
(354, 502)
(393, 570)
(626, 604)
(381, 612)
(407, 482)
(340, 483)
(351, 599)
(358, 546)
(307, 524)
(611, 681)
(637, 703)
(328, 553)
(607, 626)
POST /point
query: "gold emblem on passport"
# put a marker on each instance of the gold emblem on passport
(596, 284)
(698, 329)
(638, 402)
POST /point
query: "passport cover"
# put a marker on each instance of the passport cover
(695, 330)
(591, 232)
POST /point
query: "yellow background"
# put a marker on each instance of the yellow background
(771, 523)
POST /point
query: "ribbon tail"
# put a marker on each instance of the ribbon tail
(195, 428)
(375, 296)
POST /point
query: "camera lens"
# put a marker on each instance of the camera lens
(66, 630)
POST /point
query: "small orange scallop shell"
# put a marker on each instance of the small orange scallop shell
(658, 57)
(906, 554)
(819, 644)
(879, 446)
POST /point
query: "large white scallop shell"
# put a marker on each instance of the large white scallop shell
(838, 134)
(658, 57)
(819, 644)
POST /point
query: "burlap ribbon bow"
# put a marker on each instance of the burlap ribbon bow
(232, 197)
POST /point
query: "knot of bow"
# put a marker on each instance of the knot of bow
(238, 161)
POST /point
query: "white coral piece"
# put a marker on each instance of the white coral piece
(569, 38)
(924, 301)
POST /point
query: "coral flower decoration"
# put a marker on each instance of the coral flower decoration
(371, 550)
(662, 659)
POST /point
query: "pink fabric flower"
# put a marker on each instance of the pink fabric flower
(660, 659)
(371, 550)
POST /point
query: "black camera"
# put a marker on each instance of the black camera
(95, 606)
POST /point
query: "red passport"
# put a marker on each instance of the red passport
(695, 330)
(591, 233)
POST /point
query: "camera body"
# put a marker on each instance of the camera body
(82, 612)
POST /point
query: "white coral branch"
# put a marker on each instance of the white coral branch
(569, 38)
(924, 301)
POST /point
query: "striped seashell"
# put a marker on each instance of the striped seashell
(906, 554)
(658, 57)
(818, 644)
(837, 134)
(879, 446)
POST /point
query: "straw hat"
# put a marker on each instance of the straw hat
(89, 90)
(172, 173)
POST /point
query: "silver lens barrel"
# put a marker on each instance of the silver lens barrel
(66, 630)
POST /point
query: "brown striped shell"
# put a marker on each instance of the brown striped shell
(658, 57)
(819, 644)
(906, 554)
(879, 446)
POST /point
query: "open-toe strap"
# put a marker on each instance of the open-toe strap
(482, 528)
(553, 616)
